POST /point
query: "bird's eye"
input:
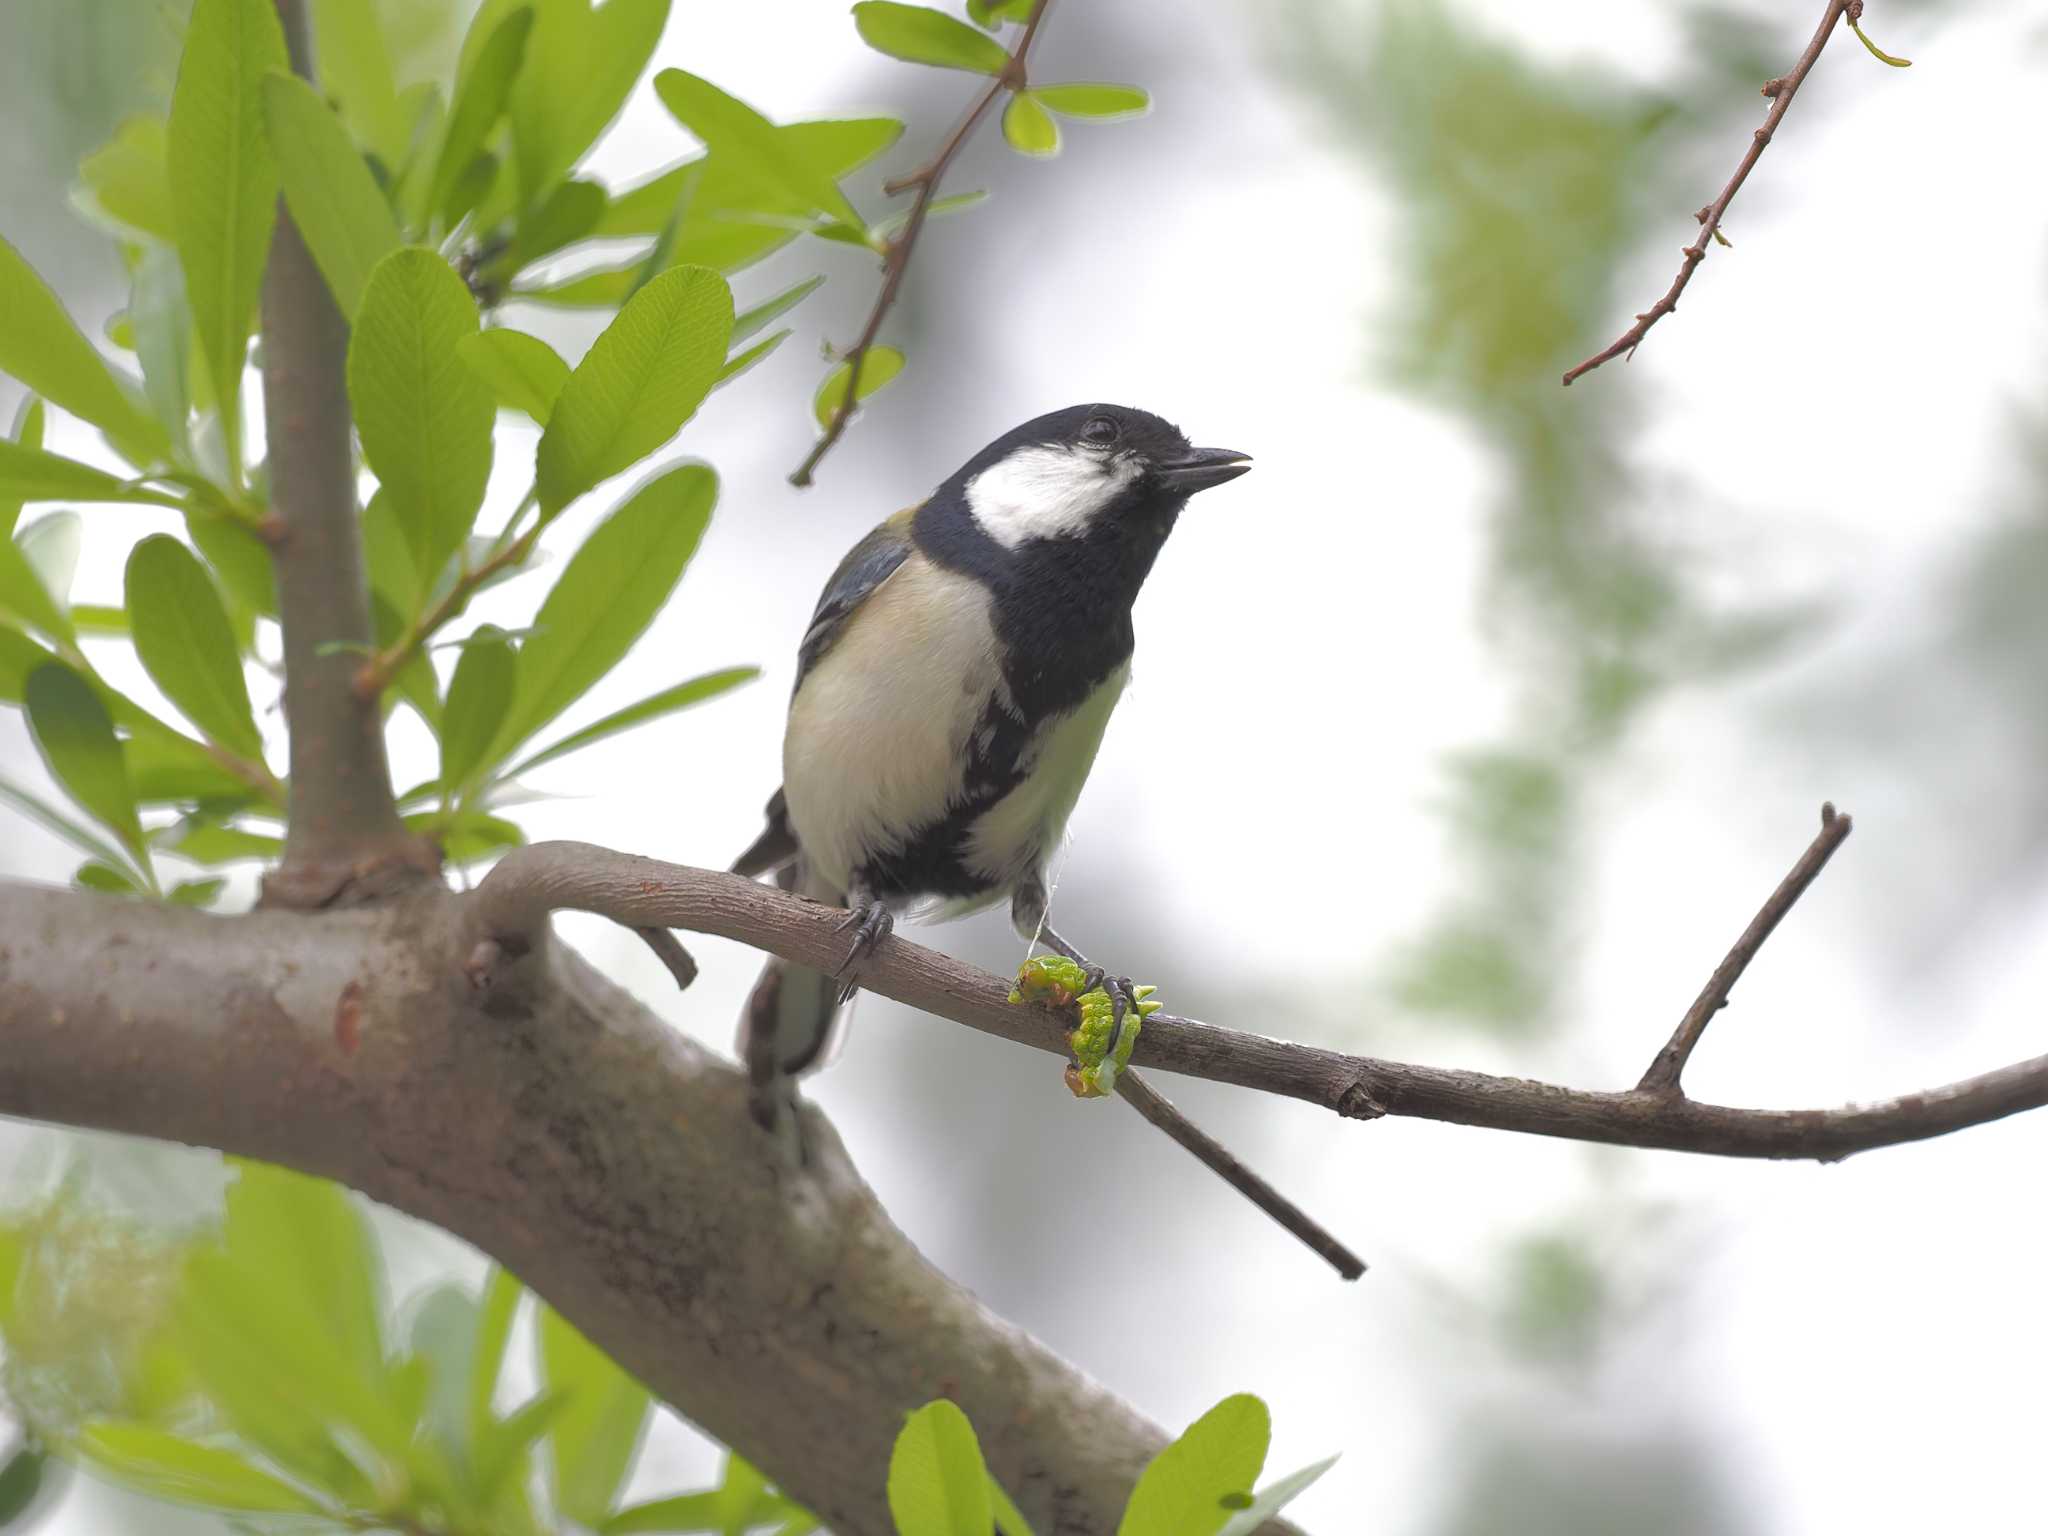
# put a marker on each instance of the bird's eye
(1101, 432)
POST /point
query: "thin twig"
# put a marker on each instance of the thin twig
(1221, 1161)
(1781, 92)
(375, 674)
(1669, 1063)
(896, 254)
(668, 949)
(511, 905)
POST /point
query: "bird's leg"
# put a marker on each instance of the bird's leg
(1123, 992)
(871, 923)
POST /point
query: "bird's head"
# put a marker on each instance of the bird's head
(1091, 473)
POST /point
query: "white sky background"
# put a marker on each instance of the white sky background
(1862, 1344)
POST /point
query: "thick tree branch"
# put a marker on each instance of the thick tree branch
(511, 905)
(343, 836)
(1669, 1063)
(1781, 92)
(585, 1144)
(896, 257)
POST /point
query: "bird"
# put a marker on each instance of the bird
(952, 690)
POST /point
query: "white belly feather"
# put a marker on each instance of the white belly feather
(878, 732)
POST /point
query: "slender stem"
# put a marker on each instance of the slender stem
(896, 257)
(1162, 1113)
(342, 832)
(1669, 1063)
(1781, 91)
(375, 675)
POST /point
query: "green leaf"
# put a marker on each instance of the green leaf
(335, 201)
(126, 177)
(570, 211)
(1093, 100)
(729, 127)
(750, 321)
(20, 1481)
(607, 595)
(54, 821)
(109, 879)
(1010, 1519)
(211, 842)
(239, 558)
(919, 35)
(167, 1466)
(76, 739)
(580, 66)
(19, 656)
(357, 70)
(993, 13)
(163, 340)
(479, 695)
(687, 1512)
(1028, 127)
(1182, 1492)
(425, 418)
(729, 187)
(524, 372)
(877, 369)
(1273, 1498)
(641, 380)
(223, 183)
(184, 642)
(938, 1483)
(279, 1322)
(41, 347)
(196, 893)
(740, 1495)
(740, 362)
(597, 1433)
(495, 1313)
(25, 598)
(28, 433)
(51, 545)
(653, 707)
(481, 96)
(30, 474)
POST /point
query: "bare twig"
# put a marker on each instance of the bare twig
(514, 900)
(896, 254)
(1224, 1163)
(1669, 1064)
(343, 836)
(1781, 92)
(668, 949)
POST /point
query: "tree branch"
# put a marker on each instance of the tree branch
(343, 836)
(588, 1146)
(896, 256)
(1781, 92)
(511, 904)
(1669, 1063)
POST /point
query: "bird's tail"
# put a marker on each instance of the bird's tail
(792, 1020)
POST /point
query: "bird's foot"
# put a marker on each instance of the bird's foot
(871, 923)
(1112, 1009)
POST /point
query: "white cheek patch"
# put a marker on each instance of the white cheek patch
(1046, 493)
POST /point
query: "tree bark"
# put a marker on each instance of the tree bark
(564, 1129)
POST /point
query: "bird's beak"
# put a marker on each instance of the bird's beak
(1202, 468)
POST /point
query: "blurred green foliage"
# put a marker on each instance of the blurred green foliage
(1522, 188)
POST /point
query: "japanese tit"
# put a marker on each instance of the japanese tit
(951, 693)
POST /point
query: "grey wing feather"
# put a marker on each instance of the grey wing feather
(867, 565)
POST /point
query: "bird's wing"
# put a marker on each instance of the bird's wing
(775, 847)
(867, 565)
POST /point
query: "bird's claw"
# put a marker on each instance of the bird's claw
(872, 923)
